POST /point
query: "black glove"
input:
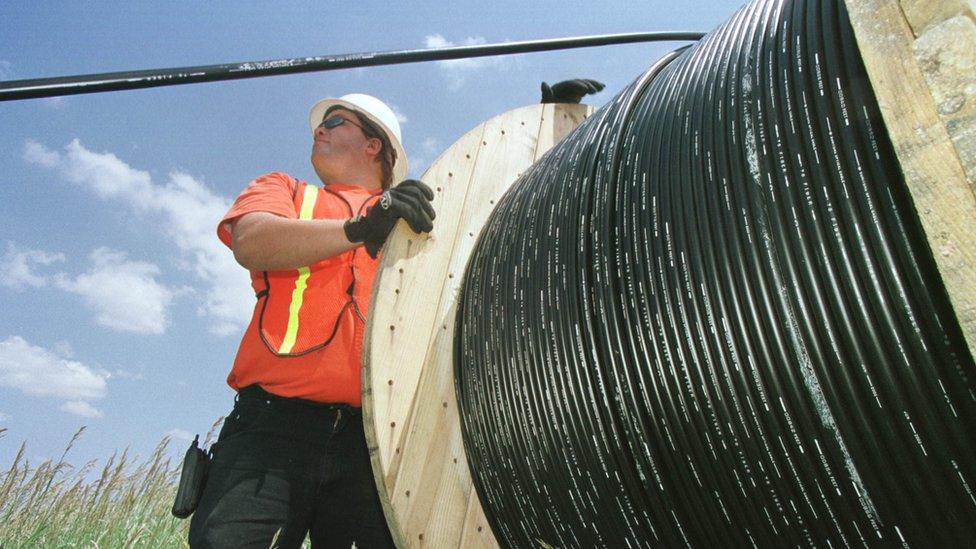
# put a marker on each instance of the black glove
(409, 200)
(569, 91)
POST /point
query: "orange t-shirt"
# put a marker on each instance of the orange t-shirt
(305, 335)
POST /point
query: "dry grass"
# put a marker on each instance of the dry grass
(54, 504)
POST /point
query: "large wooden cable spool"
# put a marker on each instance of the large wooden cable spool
(409, 407)
(909, 50)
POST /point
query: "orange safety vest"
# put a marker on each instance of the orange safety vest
(305, 335)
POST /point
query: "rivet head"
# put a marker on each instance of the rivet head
(444, 404)
(390, 382)
(408, 493)
(479, 528)
(392, 327)
(392, 424)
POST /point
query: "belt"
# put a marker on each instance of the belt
(254, 393)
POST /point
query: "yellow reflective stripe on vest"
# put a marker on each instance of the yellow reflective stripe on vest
(298, 294)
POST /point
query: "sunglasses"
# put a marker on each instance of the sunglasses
(335, 121)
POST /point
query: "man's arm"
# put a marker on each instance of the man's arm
(263, 241)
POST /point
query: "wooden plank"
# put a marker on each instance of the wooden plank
(432, 485)
(943, 198)
(402, 338)
(388, 389)
(507, 148)
(562, 121)
(946, 55)
(409, 406)
(477, 533)
(922, 14)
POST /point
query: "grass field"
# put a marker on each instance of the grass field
(55, 504)
(128, 504)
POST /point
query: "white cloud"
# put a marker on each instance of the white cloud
(179, 434)
(431, 145)
(456, 69)
(55, 102)
(63, 348)
(5, 417)
(470, 63)
(81, 408)
(124, 295)
(419, 162)
(401, 118)
(36, 371)
(183, 207)
(102, 173)
(6, 70)
(125, 374)
(35, 153)
(17, 267)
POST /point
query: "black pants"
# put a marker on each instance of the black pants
(283, 468)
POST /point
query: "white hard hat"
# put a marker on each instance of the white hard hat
(377, 112)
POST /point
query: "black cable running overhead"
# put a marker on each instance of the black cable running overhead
(153, 78)
(710, 317)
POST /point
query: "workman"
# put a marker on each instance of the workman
(291, 458)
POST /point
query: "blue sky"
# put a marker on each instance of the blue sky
(120, 309)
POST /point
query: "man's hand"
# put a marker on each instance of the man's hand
(409, 200)
(569, 91)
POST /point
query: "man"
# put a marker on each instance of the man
(291, 457)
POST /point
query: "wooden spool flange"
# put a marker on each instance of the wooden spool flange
(409, 407)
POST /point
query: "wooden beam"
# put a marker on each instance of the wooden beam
(922, 14)
(410, 412)
(946, 55)
(944, 199)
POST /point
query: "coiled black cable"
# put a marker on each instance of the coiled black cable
(710, 317)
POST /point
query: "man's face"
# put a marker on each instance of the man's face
(332, 143)
(341, 152)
